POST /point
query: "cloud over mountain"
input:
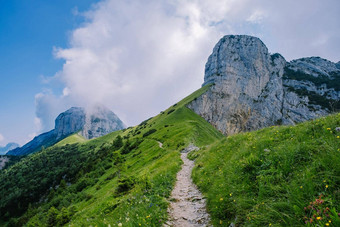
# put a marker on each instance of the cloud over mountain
(138, 57)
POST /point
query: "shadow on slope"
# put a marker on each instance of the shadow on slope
(123, 177)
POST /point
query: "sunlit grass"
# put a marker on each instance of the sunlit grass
(268, 177)
(75, 138)
(129, 185)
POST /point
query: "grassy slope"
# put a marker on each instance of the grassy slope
(268, 177)
(75, 138)
(260, 178)
(176, 128)
(130, 188)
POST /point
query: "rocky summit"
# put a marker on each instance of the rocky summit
(251, 88)
(92, 123)
(100, 121)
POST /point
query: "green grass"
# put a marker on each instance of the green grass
(128, 183)
(271, 176)
(75, 138)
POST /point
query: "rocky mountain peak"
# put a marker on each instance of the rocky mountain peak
(90, 123)
(93, 122)
(241, 56)
(251, 89)
(70, 121)
(100, 121)
(314, 66)
(338, 65)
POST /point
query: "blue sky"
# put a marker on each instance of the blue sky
(28, 32)
(136, 57)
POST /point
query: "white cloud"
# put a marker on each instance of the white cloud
(48, 106)
(3, 140)
(139, 57)
(256, 17)
(38, 125)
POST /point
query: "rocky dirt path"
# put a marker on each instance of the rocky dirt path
(160, 144)
(188, 205)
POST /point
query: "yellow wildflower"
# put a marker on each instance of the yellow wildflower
(326, 186)
(231, 194)
(327, 224)
(220, 222)
(301, 186)
(328, 129)
(318, 218)
(221, 199)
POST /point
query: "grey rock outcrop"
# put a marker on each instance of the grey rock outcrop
(252, 89)
(100, 121)
(90, 124)
(70, 121)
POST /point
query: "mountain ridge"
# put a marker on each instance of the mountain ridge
(277, 176)
(253, 89)
(89, 124)
(8, 147)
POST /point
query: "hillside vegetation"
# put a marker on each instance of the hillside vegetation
(75, 138)
(277, 176)
(123, 178)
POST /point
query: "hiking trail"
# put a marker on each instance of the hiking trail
(187, 206)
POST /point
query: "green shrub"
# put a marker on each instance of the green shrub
(117, 143)
(52, 217)
(149, 132)
(83, 183)
(63, 217)
(170, 111)
(125, 184)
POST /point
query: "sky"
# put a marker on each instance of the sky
(137, 57)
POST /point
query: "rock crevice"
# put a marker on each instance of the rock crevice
(252, 89)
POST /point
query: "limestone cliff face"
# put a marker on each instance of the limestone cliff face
(100, 121)
(90, 124)
(251, 89)
(70, 121)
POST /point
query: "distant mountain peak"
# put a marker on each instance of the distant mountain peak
(90, 123)
(8, 147)
(70, 121)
